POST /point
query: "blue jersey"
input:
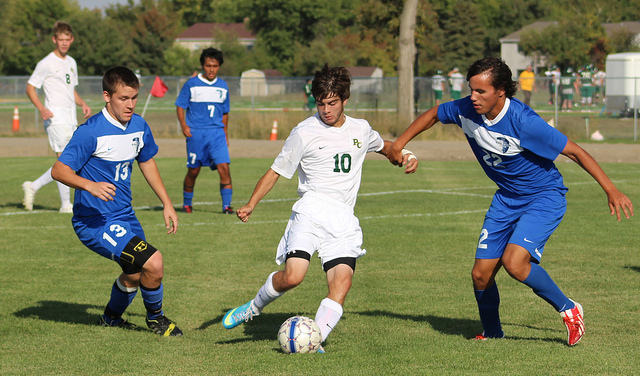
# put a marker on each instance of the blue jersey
(204, 101)
(516, 149)
(103, 150)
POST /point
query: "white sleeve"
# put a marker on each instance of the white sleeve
(376, 143)
(286, 163)
(38, 75)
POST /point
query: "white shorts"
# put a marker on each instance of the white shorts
(60, 127)
(323, 225)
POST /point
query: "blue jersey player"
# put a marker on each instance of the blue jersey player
(516, 149)
(203, 112)
(98, 163)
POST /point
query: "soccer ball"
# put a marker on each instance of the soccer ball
(299, 334)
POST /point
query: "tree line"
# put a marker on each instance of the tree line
(296, 37)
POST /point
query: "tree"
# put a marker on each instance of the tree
(407, 52)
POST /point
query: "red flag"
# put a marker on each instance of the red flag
(159, 88)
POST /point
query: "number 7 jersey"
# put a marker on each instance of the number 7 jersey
(103, 150)
(328, 159)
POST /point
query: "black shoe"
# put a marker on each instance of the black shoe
(164, 327)
(117, 324)
(228, 210)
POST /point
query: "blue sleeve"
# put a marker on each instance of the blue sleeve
(150, 148)
(448, 113)
(540, 138)
(80, 149)
(184, 98)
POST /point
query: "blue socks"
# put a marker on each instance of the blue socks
(488, 304)
(226, 194)
(544, 287)
(152, 301)
(187, 198)
(121, 297)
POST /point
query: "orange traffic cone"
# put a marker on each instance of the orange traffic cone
(16, 120)
(274, 131)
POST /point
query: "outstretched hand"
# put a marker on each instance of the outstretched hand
(618, 202)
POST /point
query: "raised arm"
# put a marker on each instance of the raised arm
(422, 123)
(616, 199)
(152, 175)
(266, 182)
(409, 160)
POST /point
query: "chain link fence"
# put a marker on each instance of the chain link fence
(257, 103)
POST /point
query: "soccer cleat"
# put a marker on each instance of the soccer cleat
(164, 327)
(227, 210)
(29, 195)
(121, 323)
(574, 321)
(188, 209)
(239, 315)
(67, 208)
(481, 337)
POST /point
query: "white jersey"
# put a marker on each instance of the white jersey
(58, 78)
(457, 80)
(328, 159)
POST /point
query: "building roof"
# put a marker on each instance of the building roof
(361, 71)
(609, 28)
(207, 30)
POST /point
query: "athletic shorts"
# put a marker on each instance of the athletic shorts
(207, 147)
(60, 127)
(455, 94)
(526, 221)
(107, 236)
(324, 225)
(587, 91)
(438, 94)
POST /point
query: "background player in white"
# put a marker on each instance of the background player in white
(516, 149)
(57, 74)
(327, 150)
(98, 163)
(202, 108)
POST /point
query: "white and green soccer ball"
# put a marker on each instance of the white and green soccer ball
(299, 334)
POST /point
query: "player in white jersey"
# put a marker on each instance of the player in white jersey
(516, 149)
(327, 150)
(57, 75)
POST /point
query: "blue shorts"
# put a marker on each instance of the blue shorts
(527, 221)
(107, 236)
(207, 147)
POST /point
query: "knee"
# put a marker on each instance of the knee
(154, 267)
(291, 280)
(517, 269)
(480, 280)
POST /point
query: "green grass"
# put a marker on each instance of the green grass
(411, 309)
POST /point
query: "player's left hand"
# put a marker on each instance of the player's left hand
(86, 110)
(619, 202)
(170, 219)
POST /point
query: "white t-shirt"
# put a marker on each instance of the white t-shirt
(328, 159)
(58, 78)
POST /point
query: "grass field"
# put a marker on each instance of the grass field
(411, 310)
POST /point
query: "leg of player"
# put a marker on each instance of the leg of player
(123, 291)
(517, 262)
(339, 280)
(226, 191)
(487, 296)
(31, 188)
(276, 285)
(187, 188)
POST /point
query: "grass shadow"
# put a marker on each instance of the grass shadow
(634, 268)
(262, 328)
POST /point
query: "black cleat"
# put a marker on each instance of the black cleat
(228, 210)
(122, 323)
(164, 327)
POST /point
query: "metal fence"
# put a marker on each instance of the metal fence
(286, 94)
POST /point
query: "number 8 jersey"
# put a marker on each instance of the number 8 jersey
(103, 150)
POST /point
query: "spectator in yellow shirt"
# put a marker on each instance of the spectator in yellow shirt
(527, 78)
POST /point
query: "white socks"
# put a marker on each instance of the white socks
(266, 294)
(65, 191)
(328, 315)
(42, 180)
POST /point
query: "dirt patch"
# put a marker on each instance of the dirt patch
(424, 150)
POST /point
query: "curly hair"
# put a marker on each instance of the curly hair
(331, 81)
(499, 71)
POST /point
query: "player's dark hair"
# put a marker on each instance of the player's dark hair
(119, 76)
(331, 81)
(61, 27)
(499, 72)
(211, 53)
